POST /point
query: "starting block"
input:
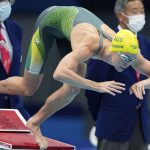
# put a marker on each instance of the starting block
(15, 135)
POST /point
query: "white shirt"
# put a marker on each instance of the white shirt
(7, 40)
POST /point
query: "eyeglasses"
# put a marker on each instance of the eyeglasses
(126, 58)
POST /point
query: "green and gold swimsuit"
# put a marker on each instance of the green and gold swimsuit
(56, 23)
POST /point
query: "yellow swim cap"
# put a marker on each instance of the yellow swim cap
(125, 41)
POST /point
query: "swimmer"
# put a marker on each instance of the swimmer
(80, 35)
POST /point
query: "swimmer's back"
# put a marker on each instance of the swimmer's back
(63, 18)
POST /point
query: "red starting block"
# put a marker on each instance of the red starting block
(15, 135)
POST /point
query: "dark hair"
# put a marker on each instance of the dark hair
(121, 4)
(12, 1)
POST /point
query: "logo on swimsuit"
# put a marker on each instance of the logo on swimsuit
(37, 41)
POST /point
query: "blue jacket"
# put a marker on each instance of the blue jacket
(116, 116)
(13, 101)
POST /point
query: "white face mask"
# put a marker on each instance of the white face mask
(136, 22)
(5, 10)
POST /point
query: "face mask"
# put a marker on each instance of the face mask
(5, 10)
(136, 22)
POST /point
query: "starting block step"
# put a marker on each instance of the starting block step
(15, 135)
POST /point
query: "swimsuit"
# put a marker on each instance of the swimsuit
(56, 23)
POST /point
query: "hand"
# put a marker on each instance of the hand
(138, 89)
(110, 87)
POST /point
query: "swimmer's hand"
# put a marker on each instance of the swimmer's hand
(138, 89)
(110, 87)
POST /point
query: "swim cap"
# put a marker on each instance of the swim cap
(125, 41)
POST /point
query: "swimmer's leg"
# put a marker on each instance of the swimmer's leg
(59, 99)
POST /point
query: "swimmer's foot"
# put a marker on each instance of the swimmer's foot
(35, 129)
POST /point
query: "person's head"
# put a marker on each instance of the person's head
(125, 49)
(5, 9)
(130, 14)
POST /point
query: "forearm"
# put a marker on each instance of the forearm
(14, 86)
(73, 79)
(146, 83)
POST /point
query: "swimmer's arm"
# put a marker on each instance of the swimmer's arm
(67, 72)
(143, 66)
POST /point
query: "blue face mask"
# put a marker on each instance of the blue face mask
(5, 10)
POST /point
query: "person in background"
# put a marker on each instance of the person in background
(10, 55)
(122, 122)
